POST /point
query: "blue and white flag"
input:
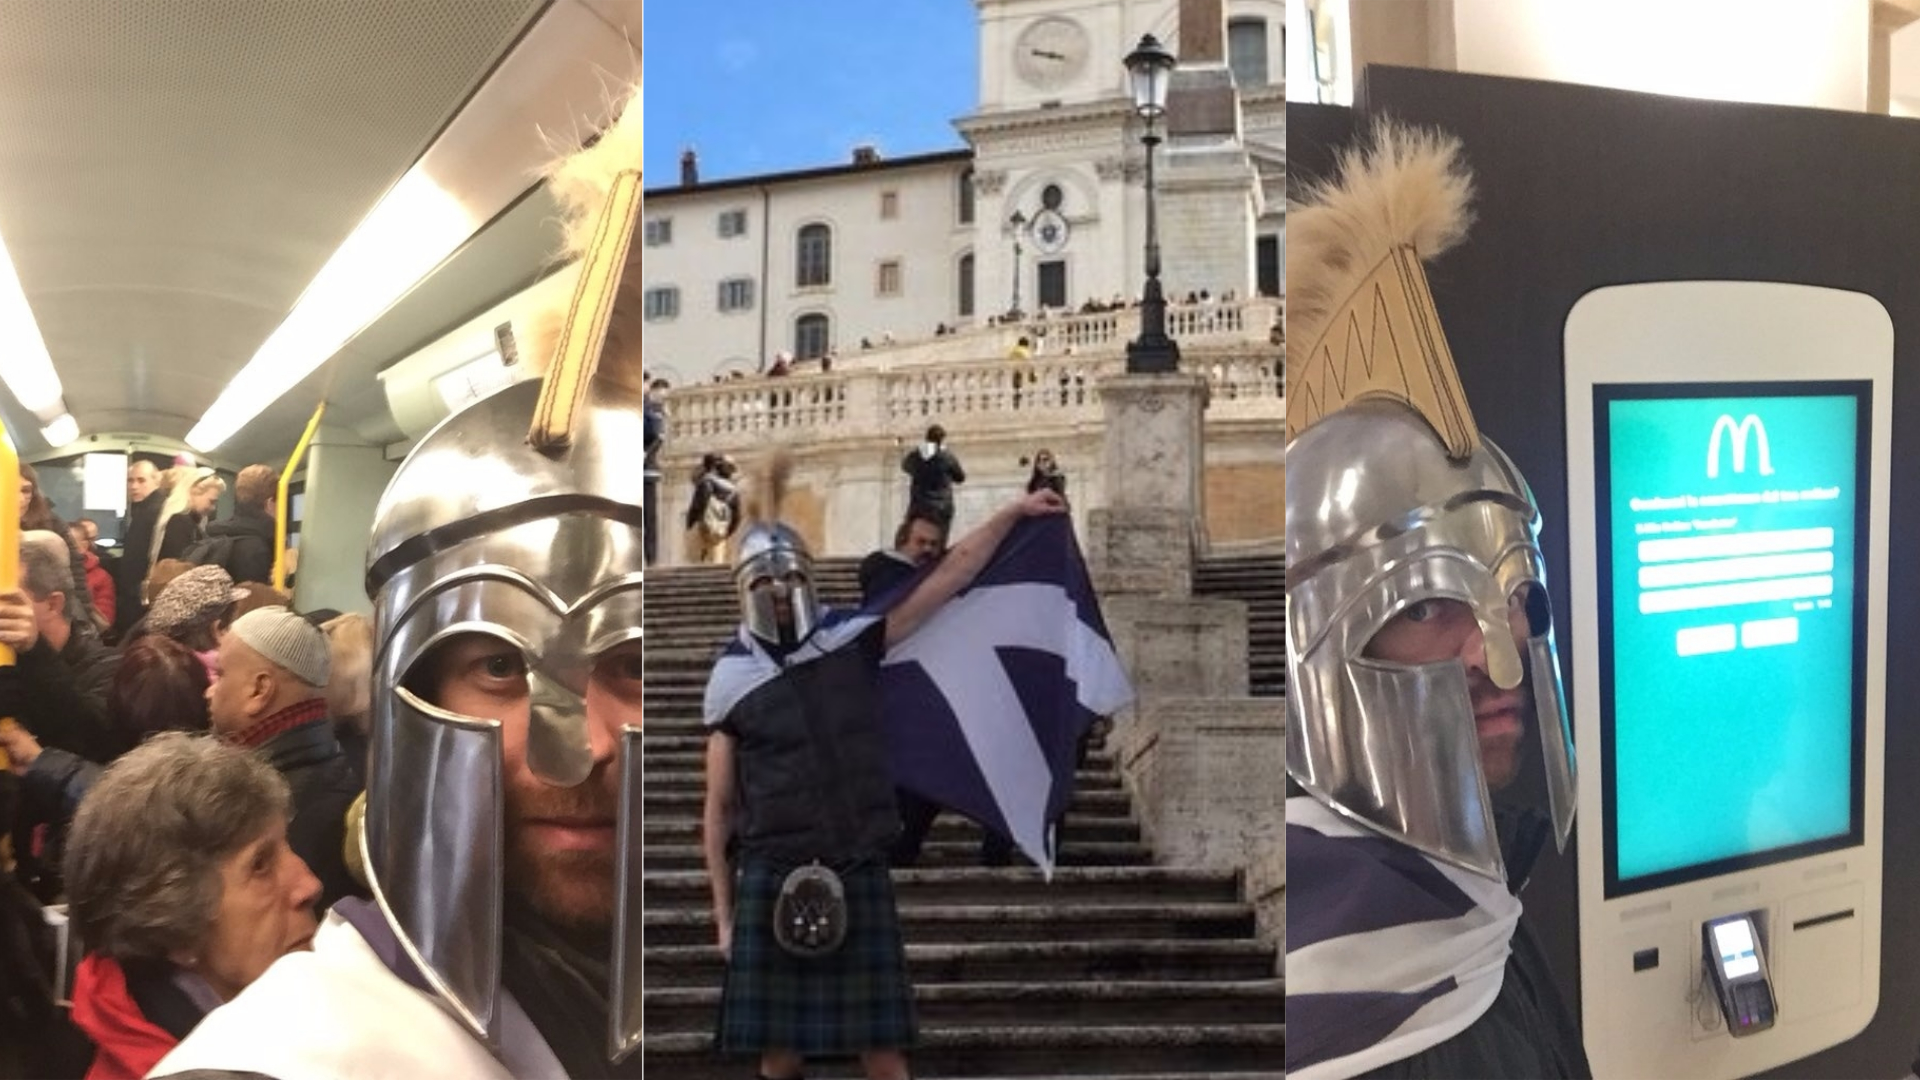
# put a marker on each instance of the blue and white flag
(986, 703)
(1389, 952)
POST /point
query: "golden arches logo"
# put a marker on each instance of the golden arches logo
(1750, 424)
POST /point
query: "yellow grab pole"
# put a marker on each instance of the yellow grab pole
(9, 542)
(280, 502)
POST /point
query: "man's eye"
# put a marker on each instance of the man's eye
(1421, 611)
(622, 662)
(503, 666)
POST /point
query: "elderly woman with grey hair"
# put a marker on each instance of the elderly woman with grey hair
(182, 889)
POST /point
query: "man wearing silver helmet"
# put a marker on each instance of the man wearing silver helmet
(800, 810)
(501, 838)
(1419, 648)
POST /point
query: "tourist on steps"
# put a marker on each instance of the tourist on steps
(796, 855)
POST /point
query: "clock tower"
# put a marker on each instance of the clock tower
(1058, 165)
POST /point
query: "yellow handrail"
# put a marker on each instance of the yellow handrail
(9, 542)
(280, 502)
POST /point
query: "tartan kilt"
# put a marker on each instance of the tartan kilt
(859, 998)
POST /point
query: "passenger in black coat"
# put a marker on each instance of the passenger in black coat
(146, 498)
(252, 532)
(270, 697)
(57, 686)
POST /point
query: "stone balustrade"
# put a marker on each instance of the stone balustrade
(848, 428)
(1047, 392)
(1248, 322)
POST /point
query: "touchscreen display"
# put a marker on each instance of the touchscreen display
(1735, 942)
(1732, 538)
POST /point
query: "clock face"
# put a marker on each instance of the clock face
(1050, 232)
(1050, 52)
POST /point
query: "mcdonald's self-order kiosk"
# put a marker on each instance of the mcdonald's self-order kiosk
(1727, 457)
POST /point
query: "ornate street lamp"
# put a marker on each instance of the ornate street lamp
(1148, 67)
(1016, 224)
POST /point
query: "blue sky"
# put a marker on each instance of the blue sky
(769, 85)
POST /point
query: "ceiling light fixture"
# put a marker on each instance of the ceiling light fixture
(62, 431)
(28, 371)
(410, 231)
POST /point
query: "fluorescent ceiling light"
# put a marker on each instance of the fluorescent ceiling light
(414, 228)
(62, 431)
(28, 370)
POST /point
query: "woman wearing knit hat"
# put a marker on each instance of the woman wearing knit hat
(192, 609)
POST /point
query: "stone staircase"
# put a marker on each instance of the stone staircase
(1261, 582)
(1117, 968)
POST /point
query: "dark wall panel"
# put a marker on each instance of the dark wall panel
(1582, 187)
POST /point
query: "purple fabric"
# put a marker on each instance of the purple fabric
(365, 917)
(1350, 885)
(1321, 1027)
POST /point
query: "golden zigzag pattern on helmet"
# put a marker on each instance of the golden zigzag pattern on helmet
(1386, 342)
(1357, 295)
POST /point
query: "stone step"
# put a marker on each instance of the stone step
(676, 779)
(1029, 1004)
(664, 857)
(1100, 961)
(683, 734)
(691, 756)
(1090, 803)
(1002, 923)
(948, 827)
(1005, 885)
(1165, 1049)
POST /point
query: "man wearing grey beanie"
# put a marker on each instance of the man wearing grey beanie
(270, 696)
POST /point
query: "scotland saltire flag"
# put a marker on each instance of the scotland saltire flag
(1389, 952)
(985, 704)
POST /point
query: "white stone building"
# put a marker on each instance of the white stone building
(1043, 205)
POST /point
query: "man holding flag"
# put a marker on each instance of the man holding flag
(800, 805)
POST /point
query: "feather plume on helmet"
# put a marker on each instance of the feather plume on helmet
(594, 340)
(1357, 298)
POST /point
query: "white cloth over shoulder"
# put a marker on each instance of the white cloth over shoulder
(1389, 952)
(338, 1012)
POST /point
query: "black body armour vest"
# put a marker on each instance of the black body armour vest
(813, 776)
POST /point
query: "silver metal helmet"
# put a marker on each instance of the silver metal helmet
(773, 564)
(1379, 518)
(480, 532)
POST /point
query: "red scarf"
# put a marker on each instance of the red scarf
(129, 1044)
(293, 716)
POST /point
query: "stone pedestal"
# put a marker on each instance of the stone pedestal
(1267, 891)
(1203, 761)
(1144, 540)
(1208, 775)
(1189, 647)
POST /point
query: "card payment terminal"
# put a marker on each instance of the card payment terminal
(1738, 968)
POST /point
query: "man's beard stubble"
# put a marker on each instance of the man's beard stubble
(572, 890)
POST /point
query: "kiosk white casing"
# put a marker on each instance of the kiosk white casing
(1660, 1020)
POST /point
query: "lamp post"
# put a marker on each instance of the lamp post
(1016, 224)
(1148, 66)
